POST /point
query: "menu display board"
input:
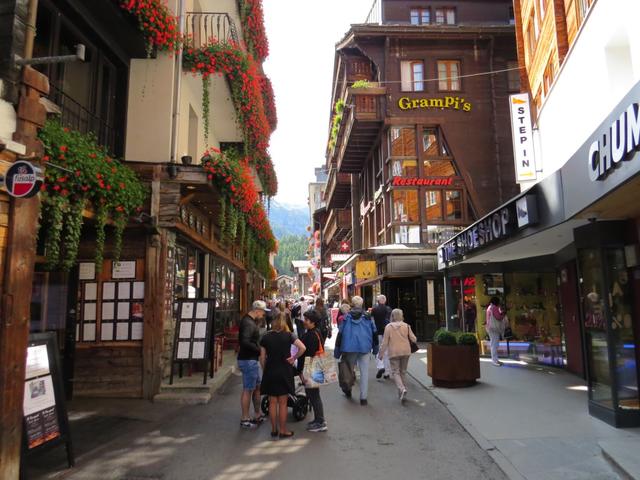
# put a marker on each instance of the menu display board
(193, 334)
(46, 421)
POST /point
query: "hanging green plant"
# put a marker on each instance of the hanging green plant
(222, 216)
(242, 231)
(232, 223)
(206, 100)
(335, 124)
(86, 177)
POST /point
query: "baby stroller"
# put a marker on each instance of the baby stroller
(298, 402)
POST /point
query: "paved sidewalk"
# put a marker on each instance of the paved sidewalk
(532, 420)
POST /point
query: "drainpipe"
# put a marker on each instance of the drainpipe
(177, 83)
(496, 143)
(30, 28)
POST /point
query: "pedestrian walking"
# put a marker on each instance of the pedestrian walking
(345, 307)
(396, 347)
(283, 308)
(324, 325)
(248, 355)
(277, 366)
(296, 315)
(358, 339)
(381, 316)
(496, 323)
(313, 343)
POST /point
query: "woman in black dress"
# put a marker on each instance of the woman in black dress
(277, 366)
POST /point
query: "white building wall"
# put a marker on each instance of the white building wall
(601, 67)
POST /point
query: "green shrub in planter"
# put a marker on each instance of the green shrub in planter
(467, 339)
(444, 337)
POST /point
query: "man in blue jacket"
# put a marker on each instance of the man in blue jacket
(357, 340)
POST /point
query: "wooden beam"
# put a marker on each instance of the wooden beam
(14, 329)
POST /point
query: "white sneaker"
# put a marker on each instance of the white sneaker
(403, 395)
(498, 363)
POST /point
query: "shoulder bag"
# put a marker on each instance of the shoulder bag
(413, 345)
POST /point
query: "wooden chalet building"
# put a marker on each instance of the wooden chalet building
(420, 144)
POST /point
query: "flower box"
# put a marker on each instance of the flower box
(453, 366)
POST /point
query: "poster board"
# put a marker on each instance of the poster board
(45, 419)
(193, 336)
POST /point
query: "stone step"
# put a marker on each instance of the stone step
(183, 398)
(190, 388)
(622, 454)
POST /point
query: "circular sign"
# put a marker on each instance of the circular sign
(23, 180)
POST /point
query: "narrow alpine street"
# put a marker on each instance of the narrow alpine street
(383, 440)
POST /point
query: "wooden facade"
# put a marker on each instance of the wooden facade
(545, 31)
(427, 141)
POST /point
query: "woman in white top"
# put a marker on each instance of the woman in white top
(396, 342)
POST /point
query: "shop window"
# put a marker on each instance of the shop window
(432, 143)
(420, 16)
(180, 288)
(404, 168)
(449, 75)
(412, 76)
(513, 76)
(406, 234)
(403, 142)
(439, 234)
(434, 204)
(405, 206)
(446, 16)
(453, 205)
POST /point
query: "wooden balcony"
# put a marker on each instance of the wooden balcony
(363, 118)
(338, 225)
(338, 192)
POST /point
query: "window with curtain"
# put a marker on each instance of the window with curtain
(406, 234)
(446, 16)
(433, 202)
(420, 16)
(403, 141)
(412, 76)
(405, 206)
(449, 75)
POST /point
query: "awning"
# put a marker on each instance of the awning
(348, 262)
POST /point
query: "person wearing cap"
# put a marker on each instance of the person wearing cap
(248, 355)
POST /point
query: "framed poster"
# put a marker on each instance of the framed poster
(46, 422)
(122, 270)
(194, 333)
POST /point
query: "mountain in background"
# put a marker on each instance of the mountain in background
(288, 219)
(289, 224)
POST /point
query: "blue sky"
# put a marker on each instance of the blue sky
(302, 38)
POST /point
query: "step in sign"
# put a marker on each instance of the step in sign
(522, 138)
(23, 179)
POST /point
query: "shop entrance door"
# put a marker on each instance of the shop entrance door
(410, 295)
(570, 314)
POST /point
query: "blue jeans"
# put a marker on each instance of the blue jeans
(362, 360)
(250, 374)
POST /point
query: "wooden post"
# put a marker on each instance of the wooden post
(155, 271)
(14, 330)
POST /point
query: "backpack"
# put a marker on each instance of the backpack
(295, 311)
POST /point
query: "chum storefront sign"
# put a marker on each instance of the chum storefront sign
(444, 103)
(615, 144)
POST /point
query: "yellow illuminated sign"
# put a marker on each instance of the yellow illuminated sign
(444, 103)
(365, 269)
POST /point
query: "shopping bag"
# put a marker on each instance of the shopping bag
(320, 370)
(346, 375)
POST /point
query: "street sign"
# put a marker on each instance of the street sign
(522, 132)
(23, 180)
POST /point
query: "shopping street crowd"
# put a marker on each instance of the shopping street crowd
(273, 353)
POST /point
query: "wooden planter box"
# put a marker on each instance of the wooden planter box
(453, 366)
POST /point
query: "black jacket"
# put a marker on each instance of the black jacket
(249, 338)
(381, 316)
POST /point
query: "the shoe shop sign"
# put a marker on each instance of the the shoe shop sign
(616, 143)
(498, 225)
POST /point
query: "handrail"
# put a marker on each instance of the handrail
(206, 27)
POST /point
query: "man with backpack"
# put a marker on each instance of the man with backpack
(381, 316)
(296, 316)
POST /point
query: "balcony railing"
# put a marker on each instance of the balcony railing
(375, 14)
(208, 27)
(74, 116)
(337, 226)
(338, 190)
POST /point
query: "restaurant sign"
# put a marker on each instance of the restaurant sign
(444, 103)
(421, 182)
